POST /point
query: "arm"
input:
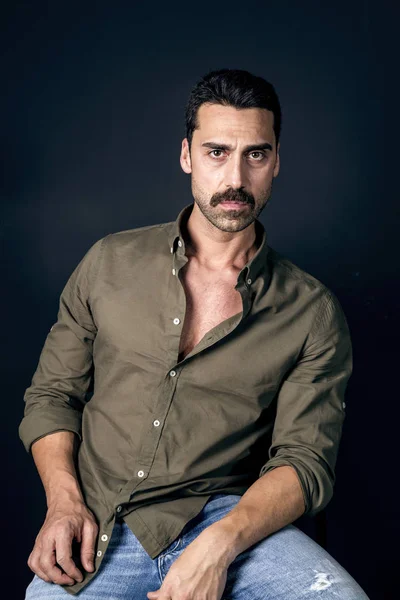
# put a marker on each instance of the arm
(57, 395)
(272, 502)
(67, 516)
(51, 428)
(54, 457)
(203, 565)
(299, 476)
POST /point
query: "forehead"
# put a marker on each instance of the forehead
(227, 121)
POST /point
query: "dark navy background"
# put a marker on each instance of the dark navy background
(92, 118)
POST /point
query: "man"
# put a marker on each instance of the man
(218, 370)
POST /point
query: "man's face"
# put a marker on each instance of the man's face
(233, 157)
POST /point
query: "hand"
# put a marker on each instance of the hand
(200, 572)
(65, 521)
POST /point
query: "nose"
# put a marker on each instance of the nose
(235, 172)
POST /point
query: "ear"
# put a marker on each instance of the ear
(277, 161)
(185, 159)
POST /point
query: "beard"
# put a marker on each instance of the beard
(230, 219)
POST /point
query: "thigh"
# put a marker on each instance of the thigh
(287, 565)
(126, 572)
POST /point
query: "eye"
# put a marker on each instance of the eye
(261, 155)
(215, 150)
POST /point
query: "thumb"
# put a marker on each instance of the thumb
(87, 546)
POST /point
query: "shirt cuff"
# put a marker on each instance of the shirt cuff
(316, 485)
(39, 423)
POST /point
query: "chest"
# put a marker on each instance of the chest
(210, 299)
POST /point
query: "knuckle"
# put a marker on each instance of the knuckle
(31, 565)
(91, 532)
(33, 561)
(92, 524)
(60, 528)
(44, 563)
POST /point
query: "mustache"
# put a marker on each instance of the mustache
(233, 196)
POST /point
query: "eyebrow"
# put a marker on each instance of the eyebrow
(250, 148)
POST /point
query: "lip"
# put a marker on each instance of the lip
(233, 204)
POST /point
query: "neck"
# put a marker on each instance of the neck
(214, 249)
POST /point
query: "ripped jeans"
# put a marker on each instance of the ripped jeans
(287, 565)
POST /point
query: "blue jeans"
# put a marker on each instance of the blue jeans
(287, 565)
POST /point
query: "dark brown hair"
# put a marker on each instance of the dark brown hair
(232, 87)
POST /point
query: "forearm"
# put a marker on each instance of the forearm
(54, 456)
(271, 502)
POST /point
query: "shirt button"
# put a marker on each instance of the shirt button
(249, 281)
(344, 404)
(156, 423)
(140, 473)
(99, 553)
(176, 321)
(173, 271)
(172, 373)
(119, 508)
(104, 538)
(172, 249)
(180, 243)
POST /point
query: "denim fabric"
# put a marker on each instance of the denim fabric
(287, 565)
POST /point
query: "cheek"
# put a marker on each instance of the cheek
(206, 178)
(199, 188)
(264, 176)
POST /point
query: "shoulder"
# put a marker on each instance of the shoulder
(285, 269)
(147, 237)
(127, 247)
(297, 285)
(145, 242)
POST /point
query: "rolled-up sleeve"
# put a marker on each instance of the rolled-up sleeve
(58, 391)
(310, 406)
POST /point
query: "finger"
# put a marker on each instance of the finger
(64, 556)
(47, 563)
(154, 595)
(89, 534)
(33, 564)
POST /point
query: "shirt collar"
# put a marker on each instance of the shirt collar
(251, 270)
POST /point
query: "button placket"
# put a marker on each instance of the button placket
(147, 454)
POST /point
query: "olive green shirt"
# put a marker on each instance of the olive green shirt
(160, 435)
